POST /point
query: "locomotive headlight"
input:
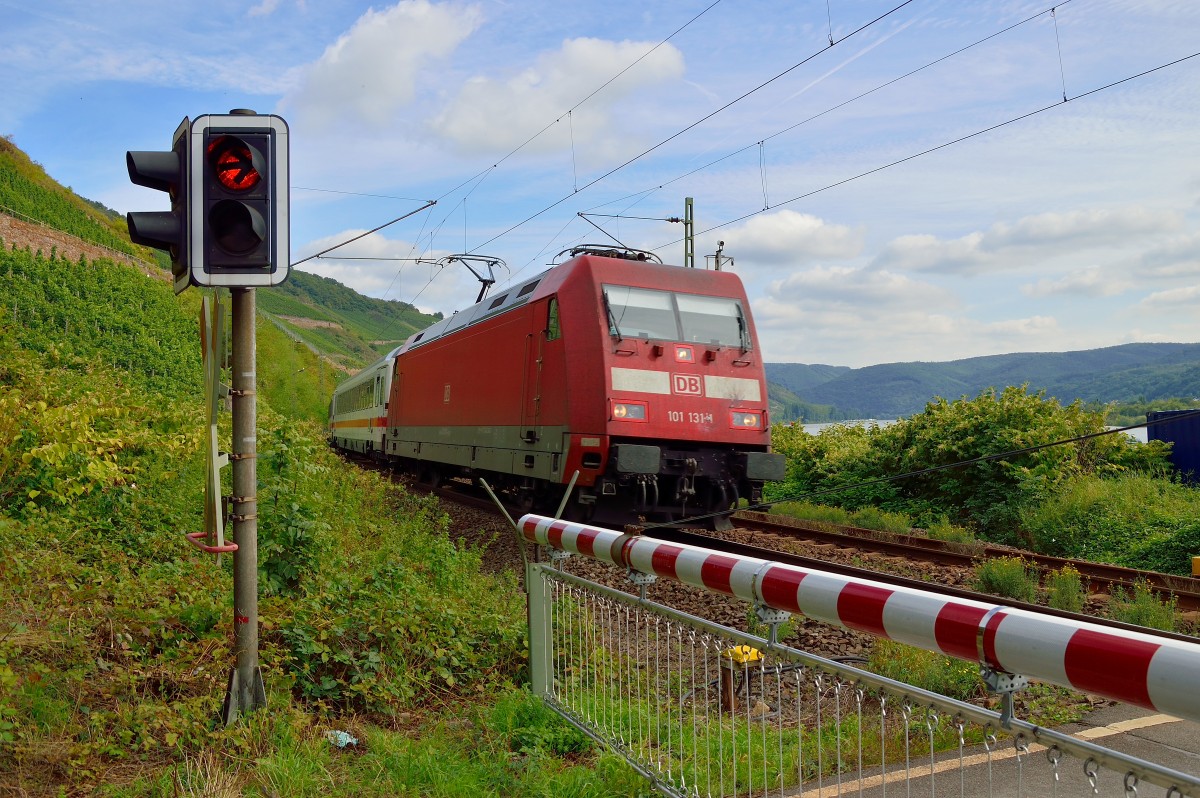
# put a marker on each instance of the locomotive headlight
(742, 420)
(629, 411)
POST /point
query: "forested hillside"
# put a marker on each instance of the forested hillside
(1127, 373)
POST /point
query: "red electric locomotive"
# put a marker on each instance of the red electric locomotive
(643, 383)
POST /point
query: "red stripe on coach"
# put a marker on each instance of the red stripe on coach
(956, 630)
(716, 571)
(861, 607)
(779, 586)
(663, 559)
(1113, 666)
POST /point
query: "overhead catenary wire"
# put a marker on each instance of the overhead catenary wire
(698, 122)
(428, 204)
(838, 106)
(942, 146)
(479, 177)
(576, 106)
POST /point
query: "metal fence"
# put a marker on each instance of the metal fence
(704, 710)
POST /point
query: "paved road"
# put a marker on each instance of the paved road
(1156, 738)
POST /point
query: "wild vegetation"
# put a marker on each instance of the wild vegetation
(114, 645)
(989, 466)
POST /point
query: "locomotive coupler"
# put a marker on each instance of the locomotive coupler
(685, 488)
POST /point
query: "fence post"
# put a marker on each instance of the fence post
(540, 642)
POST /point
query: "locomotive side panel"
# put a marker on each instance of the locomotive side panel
(471, 401)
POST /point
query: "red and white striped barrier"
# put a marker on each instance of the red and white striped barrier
(1158, 673)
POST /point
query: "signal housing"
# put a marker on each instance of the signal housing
(239, 200)
(165, 230)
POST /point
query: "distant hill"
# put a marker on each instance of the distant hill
(346, 327)
(1126, 373)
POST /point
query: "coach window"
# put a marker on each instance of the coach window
(553, 331)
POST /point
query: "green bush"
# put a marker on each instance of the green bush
(1008, 577)
(882, 521)
(1132, 520)
(1143, 608)
(533, 728)
(1065, 589)
(943, 530)
(926, 669)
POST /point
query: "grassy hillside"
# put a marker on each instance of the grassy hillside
(27, 190)
(802, 377)
(785, 407)
(114, 643)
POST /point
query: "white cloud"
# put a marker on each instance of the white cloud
(1090, 282)
(1176, 257)
(494, 115)
(264, 9)
(788, 238)
(1025, 242)
(371, 71)
(853, 288)
(1172, 298)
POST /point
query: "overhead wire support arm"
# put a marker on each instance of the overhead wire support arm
(584, 216)
(428, 204)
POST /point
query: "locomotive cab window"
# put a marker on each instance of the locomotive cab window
(669, 316)
(639, 312)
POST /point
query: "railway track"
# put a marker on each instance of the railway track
(857, 541)
(1100, 577)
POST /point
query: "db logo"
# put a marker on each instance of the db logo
(686, 384)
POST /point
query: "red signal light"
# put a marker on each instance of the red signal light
(234, 163)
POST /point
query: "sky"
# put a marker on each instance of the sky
(894, 181)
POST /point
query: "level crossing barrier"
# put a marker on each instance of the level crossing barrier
(701, 709)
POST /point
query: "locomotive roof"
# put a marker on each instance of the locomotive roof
(523, 293)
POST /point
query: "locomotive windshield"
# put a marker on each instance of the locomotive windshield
(670, 316)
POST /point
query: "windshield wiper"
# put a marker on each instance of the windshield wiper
(613, 327)
(743, 332)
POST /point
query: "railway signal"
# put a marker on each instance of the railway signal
(165, 230)
(239, 200)
(227, 176)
